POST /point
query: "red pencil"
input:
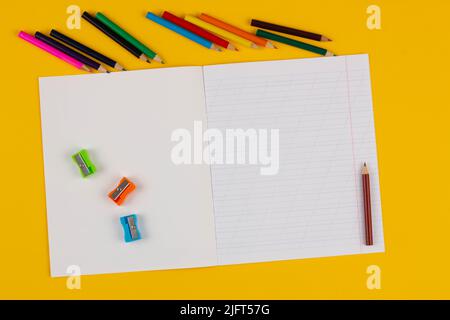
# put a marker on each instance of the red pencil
(367, 206)
(198, 31)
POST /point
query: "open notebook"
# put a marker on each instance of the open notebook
(200, 214)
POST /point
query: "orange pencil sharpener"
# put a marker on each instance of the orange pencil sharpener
(121, 192)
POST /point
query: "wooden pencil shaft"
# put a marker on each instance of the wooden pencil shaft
(287, 30)
(219, 31)
(51, 50)
(110, 33)
(195, 29)
(237, 31)
(291, 42)
(124, 34)
(180, 30)
(70, 52)
(367, 209)
(81, 47)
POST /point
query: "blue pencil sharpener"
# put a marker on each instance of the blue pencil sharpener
(130, 228)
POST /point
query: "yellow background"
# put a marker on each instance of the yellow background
(410, 72)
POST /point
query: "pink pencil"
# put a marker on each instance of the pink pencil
(38, 43)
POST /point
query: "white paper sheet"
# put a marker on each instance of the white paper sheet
(313, 206)
(125, 121)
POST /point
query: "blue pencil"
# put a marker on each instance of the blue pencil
(182, 31)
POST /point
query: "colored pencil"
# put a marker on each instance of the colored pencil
(237, 31)
(287, 30)
(198, 31)
(61, 55)
(121, 32)
(294, 43)
(70, 52)
(114, 36)
(86, 50)
(219, 31)
(182, 31)
(367, 205)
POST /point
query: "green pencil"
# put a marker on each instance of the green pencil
(149, 53)
(294, 43)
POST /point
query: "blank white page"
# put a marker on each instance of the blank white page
(125, 121)
(313, 207)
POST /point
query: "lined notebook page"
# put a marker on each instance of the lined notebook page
(313, 206)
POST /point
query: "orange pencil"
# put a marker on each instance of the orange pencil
(239, 32)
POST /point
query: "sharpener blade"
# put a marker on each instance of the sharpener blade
(120, 189)
(80, 161)
(132, 226)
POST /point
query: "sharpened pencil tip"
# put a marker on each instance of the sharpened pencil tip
(158, 59)
(102, 69)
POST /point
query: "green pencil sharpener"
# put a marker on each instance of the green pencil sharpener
(83, 162)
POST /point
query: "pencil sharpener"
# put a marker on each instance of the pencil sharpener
(83, 162)
(130, 228)
(121, 192)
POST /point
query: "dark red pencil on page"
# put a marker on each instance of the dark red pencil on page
(367, 206)
(198, 31)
